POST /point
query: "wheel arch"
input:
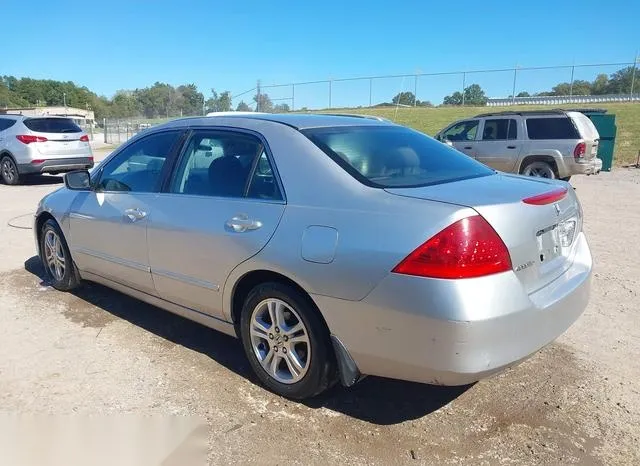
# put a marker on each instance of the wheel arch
(547, 158)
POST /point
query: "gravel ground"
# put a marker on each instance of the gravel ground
(98, 352)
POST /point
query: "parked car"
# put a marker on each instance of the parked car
(548, 144)
(332, 246)
(34, 145)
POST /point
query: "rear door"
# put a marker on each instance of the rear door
(500, 143)
(62, 138)
(220, 207)
(463, 136)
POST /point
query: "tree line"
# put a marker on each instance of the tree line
(165, 100)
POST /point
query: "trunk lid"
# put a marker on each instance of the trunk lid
(62, 137)
(540, 238)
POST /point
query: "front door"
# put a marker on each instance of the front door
(463, 136)
(500, 144)
(108, 225)
(221, 207)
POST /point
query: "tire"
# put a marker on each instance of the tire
(9, 171)
(540, 169)
(266, 342)
(56, 258)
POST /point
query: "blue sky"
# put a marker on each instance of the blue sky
(122, 44)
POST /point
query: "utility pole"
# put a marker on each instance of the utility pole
(258, 96)
(513, 91)
(464, 85)
(633, 75)
(64, 100)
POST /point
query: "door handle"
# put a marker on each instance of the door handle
(467, 147)
(241, 223)
(135, 214)
(511, 147)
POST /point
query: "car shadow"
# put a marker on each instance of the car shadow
(41, 180)
(376, 400)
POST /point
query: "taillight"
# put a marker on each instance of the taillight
(467, 248)
(580, 150)
(37, 161)
(28, 138)
(547, 198)
(84, 138)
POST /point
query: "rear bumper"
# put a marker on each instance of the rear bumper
(588, 167)
(56, 165)
(456, 332)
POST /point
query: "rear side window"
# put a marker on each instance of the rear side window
(500, 130)
(394, 156)
(551, 128)
(52, 125)
(6, 123)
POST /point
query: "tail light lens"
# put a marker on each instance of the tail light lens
(580, 150)
(28, 138)
(465, 249)
(547, 198)
(84, 138)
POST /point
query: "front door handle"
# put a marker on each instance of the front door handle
(511, 147)
(241, 223)
(135, 214)
(467, 147)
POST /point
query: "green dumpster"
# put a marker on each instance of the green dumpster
(606, 126)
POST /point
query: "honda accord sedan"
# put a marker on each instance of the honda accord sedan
(333, 246)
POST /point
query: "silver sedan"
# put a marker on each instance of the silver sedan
(332, 246)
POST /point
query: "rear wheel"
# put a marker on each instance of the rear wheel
(540, 169)
(56, 258)
(286, 342)
(9, 171)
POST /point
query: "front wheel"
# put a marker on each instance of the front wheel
(539, 169)
(286, 341)
(56, 258)
(9, 171)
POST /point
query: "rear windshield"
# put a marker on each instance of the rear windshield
(551, 128)
(394, 156)
(52, 125)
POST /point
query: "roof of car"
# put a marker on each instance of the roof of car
(301, 120)
(524, 112)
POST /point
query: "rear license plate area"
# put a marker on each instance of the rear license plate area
(548, 241)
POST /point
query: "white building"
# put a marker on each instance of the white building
(82, 117)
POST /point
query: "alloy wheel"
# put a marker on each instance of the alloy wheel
(54, 255)
(280, 341)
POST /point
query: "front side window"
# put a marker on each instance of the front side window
(138, 167)
(551, 128)
(500, 130)
(225, 164)
(463, 131)
(394, 156)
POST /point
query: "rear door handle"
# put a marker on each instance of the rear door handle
(135, 214)
(241, 223)
(511, 147)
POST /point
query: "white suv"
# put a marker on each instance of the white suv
(549, 144)
(33, 145)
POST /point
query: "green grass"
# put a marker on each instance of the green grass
(431, 120)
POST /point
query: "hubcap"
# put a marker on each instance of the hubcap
(280, 341)
(8, 169)
(54, 254)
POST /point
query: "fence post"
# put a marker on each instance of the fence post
(513, 91)
(370, 92)
(330, 94)
(464, 84)
(573, 68)
(293, 97)
(633, 77)
(118, 129)
(415, 91)
(104, 127)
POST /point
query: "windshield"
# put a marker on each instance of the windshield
(394, 156)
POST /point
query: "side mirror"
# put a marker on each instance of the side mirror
(448, 143)
(78, 180)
